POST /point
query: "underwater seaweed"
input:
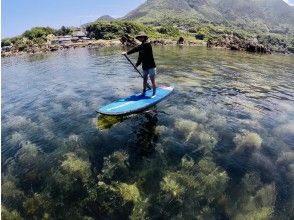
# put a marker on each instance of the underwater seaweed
(28, 166)
(77, 107)
(186, 128)
(285, 158)
(193, 132)
(110, 204)
(264, 165)
(161, 130)
(285, 164)
(247, 141)
(196, 134)
(129, 192)
(193, 188)
(285, 132)
(169, 185)
(254, 200)
(38, 206)
(9, 215)
(76, 166)
(16, 138)
(115, 166)
(105, 122)
(196, 114)
(16, 122)
(54, 153)
(11, 195)
(27, 153)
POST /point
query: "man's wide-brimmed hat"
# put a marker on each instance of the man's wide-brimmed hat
(141, 34)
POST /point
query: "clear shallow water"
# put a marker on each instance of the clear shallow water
(221, 147)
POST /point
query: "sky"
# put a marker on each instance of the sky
(21, 15)
(290, 2)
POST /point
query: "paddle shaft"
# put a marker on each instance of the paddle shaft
(149, 87)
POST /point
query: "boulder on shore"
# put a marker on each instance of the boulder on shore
(235, 43)
(181, 41)
(163, 42)
(254, 46)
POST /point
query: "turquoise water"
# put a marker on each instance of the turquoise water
(221, 146)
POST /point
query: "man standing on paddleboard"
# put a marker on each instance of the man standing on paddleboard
(147, 60)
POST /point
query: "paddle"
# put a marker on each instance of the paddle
(126, 56)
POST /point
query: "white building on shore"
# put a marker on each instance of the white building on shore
(77, 36)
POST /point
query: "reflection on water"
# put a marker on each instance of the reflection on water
(221, 147)
(106, 122)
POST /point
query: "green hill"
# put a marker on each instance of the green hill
(263, 15)
(105, 18)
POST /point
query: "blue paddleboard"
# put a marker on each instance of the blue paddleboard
(136, 103)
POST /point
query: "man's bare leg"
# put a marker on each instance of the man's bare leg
(152, 78)
(144, 85)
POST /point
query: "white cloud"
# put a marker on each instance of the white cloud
(289, 2)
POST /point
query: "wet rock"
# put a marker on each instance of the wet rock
(235, 47)
(163, 42)
(209, 44)
(252, 45)
(235, 43)
(66, 46)
(114, 43)
(181, 41)
(6, 54)
(54, 48)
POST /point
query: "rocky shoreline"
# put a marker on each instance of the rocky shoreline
(228, 42)
(37, 49)
(233, 42)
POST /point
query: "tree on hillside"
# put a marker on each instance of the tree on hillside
(6, 42)
(63, 31)
(38, 32)
(169, 30)
(110, 30)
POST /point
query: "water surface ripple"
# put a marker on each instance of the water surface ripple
(221, 147)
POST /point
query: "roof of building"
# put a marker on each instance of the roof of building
(79, 34)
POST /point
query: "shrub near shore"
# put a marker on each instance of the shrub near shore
(216, 36)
